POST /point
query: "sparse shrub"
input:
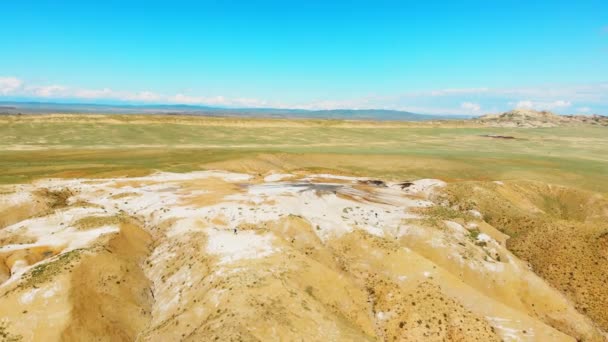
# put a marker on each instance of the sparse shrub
(46, 271)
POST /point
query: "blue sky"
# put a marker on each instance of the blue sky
(454, 57)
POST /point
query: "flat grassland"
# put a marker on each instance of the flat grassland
(39, 146)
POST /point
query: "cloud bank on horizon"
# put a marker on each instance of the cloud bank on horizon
(472, 101)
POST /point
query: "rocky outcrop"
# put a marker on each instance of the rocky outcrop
(532, 118)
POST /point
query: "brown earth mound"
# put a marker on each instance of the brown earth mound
(533, 118)
(561, 232)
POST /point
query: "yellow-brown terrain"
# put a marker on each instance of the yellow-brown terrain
(223, 256)
(180, 228)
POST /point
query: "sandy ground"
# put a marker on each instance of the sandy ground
(214, 255)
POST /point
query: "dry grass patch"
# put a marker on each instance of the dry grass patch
(560, 231)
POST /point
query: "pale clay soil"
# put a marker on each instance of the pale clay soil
(214, 255)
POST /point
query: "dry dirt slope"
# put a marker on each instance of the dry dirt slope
(562, 232)
(224, 256)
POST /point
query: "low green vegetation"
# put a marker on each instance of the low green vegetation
(435, 215)
(68, 146)
(44, 272)
(90, 222)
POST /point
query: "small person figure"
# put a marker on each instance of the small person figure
(234, 230)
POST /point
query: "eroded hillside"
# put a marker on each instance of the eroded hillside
(561, 232)
(224, 256)
(532, 118)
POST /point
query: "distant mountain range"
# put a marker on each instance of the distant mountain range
(354, 114)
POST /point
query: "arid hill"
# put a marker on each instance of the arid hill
(532, 118)
(215, 255)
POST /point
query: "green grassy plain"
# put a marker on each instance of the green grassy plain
(37, 146)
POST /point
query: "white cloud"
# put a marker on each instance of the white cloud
(219, 101)
(216, 101)
(434, 110)
(546, 93)
(47, 91)
(94, 93)
(333, 104)
(583, 110)
(145, 96)
(442, 101)
(250, 102)
(9, 85)
(185, 99)
(470, 106)
(525, 104)
(539, 105)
